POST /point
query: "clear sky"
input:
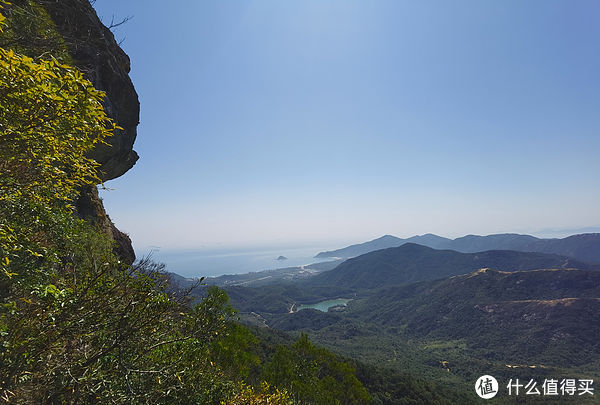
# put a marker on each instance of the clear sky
(317, 121)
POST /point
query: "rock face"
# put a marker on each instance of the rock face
(103, 62)
(89, 207)
(96, 53)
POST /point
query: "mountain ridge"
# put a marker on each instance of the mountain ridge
(584, 247)
(411, 263)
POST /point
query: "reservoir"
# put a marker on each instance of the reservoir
(323, 306)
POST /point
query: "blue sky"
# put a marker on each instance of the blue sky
(316, 121)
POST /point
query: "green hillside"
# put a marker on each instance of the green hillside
(535, 323)
(410, 263)
(545, 314)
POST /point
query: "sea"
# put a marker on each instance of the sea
(218, 262)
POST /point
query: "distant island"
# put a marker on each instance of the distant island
(282, 258)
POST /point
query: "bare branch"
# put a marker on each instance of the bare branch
(114, 24)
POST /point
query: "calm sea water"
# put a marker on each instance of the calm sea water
(215, 262)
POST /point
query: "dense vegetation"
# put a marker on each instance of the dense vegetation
(77, 325)
(550, 316)
(530, 324)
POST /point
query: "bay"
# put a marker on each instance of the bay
(218, 262)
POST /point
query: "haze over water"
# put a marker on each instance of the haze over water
(217, 262)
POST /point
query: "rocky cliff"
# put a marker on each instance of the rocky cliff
(71, 31)
(96, 53)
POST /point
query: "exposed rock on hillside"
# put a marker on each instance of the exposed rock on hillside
(99, 57)
(89, 207)
(95, 52)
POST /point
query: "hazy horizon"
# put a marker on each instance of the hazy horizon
(217, 260)
(269, 123)
(324, 245)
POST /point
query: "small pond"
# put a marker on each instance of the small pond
(323, 306)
